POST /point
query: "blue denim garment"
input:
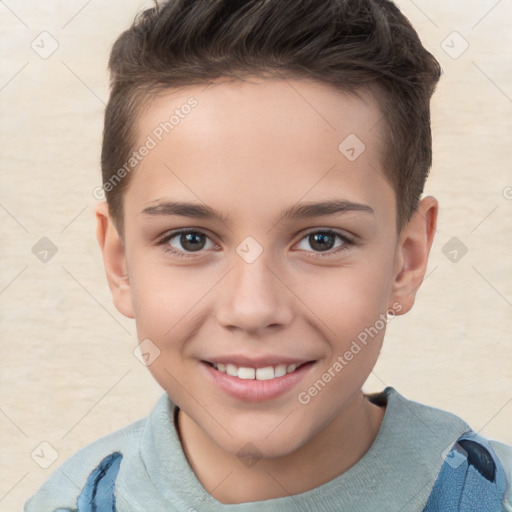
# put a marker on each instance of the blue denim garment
(472, 478)
(98, 492)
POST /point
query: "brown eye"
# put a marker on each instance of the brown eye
(325, 241)
(192, 241)
(322, 241)
(186, 242)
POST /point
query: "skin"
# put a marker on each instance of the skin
(249, 150)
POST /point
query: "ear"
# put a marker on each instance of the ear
(412, 253)
(114, 260)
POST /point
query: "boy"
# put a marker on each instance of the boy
(260, 131)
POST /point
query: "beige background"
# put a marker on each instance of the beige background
(68, 373)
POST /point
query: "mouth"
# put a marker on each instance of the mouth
(263, 373)
(260, 382)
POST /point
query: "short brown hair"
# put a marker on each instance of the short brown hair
(350, 44)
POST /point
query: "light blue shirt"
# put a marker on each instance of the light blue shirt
(397, 473)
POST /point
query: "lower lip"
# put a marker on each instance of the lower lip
(252, 390)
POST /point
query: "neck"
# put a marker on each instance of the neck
(324, 457)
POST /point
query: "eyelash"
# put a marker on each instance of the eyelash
(347, 243)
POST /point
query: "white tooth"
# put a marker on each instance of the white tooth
(266, 373)
(232, 370)
(291, 368)
(280, 370)
(221, 367)
(246, 373)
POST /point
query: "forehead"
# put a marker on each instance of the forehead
(317, 107)
(267, 140)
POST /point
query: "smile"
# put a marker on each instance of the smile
(247, 373)
(260, 381)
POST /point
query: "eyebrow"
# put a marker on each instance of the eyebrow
(297, 211)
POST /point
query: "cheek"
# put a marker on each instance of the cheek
(348, 299)
(351, 306)
(164, 299)
(354, 323)
(165, 306)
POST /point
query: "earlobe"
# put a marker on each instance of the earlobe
(114, 260)
(413, 251)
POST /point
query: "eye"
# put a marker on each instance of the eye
(180, 243)
(184, 243)
(324, 241)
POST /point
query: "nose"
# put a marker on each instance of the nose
(254, 298)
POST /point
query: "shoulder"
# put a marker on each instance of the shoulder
(416, 437)
(64, 485)
(504, 454)
(432, 433)
(419, 422)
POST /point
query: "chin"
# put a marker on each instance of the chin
(259, 446)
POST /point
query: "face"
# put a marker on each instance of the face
(261, 255)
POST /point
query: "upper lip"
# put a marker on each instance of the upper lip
(256, 362)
